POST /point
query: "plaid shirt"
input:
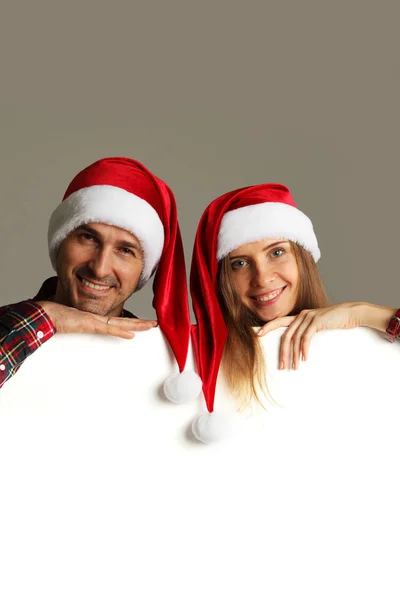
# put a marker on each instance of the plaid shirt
(24, 327)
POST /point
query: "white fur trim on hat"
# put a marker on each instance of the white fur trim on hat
(113, 206)
(267, 220)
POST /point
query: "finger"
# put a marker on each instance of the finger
(286, 341)
(102, 328)
(275, 324)
(307, 337)
(116, 331)
(138, 325)
(131, 324)
(150, 322)
(285, 346)
(297, 340)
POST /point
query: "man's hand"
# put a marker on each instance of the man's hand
(72, 320)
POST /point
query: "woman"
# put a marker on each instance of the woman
(253, 270)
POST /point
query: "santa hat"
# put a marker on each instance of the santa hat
(124, 193)
(245, 215)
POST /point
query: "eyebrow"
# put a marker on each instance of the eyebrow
(127, 244)
(264, 249)
(123, 243)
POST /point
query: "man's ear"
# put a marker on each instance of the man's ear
(57, 256)
(140, 284)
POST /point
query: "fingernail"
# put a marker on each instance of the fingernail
(294, 366)
(282, 365)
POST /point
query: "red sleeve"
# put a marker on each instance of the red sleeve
(24, 327)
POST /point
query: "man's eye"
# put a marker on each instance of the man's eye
(126, 251)
(87, 236)
(238, 264)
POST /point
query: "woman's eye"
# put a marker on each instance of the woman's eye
(238, 264)
(277, 252)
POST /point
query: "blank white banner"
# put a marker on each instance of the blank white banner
(105, 494)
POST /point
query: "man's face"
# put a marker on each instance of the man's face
(98, 268)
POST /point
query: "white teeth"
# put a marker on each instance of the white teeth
(269, 297)
(95, 287)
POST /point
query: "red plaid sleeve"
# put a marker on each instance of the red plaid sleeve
(24, 327)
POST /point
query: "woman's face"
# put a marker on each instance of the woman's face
(265, 276)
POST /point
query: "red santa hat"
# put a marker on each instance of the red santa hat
(239, 217)
(122, 192)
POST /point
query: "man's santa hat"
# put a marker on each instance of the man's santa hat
(245, 215)
(124, 193)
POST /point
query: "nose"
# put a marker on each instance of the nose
(100, 262)
(262, 274)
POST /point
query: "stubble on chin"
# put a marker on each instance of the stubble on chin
(94, 307)
(91, 305)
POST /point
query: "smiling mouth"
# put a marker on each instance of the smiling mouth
(267, 299)
(96, 287)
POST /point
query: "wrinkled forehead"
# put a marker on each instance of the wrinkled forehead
(107, 232)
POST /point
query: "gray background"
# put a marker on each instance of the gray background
(210, 96)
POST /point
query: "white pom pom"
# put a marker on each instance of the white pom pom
(183, 387)
(211, 427)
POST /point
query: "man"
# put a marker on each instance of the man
(116, 226)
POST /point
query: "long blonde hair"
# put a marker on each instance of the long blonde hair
(243, 361)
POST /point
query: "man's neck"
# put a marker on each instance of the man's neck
(47, 290)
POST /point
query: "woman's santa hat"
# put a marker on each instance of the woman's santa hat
(245, 215)
(124, 193)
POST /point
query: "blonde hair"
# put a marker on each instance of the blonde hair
(243, 361)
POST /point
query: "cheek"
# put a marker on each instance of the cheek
(240, 283)
(62, 260)
(290, 273)
(129, 276)
(69, 256)
(293, 276)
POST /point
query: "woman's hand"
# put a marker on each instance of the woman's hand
(295, 342)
